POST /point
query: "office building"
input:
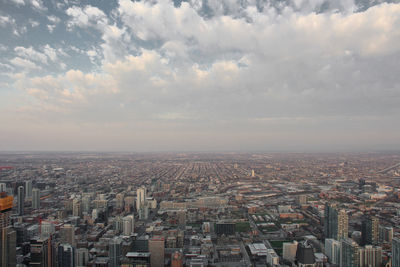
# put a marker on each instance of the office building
(140, 198)
(115, 252)
(66, 255)
(385, 234)
(370, 256)
(76, 207)
(289, 251)
(396, 251)
(332, 250)
(369, 231)
(3, 187)
(336, 223)
(349, 253)
(82, 257)
(28, 189)
(21, 200)
(46, 229)
(8, 244)
(305, 255)
(35, 199)
(67, 233)
(41, 253)
(128, 225)
(6, 203)
(157, 251)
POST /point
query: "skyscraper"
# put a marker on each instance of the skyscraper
(115, 252)
(396, 251)
(21, 200)
(82, 257)
(349, 253)
(157, 251)
(41, 252)
(6, 203)
(336, 223)
(76, 207)
(332, 250)
(67, 232)
(66, 255)
(370, 230)
(35, 199)
(3, 187)
(371, 256)
(8, 246)
(140, 197)
(28, 189)
(128, 225)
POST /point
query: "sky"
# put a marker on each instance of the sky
(199, 75)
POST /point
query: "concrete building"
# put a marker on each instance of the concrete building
(332, 250)
(21, 200)
(349, 253)
(396, 251)
(289, 251)
(35, 199)
(157, 251)
(370, 256)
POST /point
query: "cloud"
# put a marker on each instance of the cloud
(24, 63)
(37, 4)
(271, 68)
(31, 54)
(18, 2)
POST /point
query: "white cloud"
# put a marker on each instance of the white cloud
(24, 63)
(37, 4)
(33, 23)
(18, 2)
(31, 54)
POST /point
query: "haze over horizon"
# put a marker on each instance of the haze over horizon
(216, 75)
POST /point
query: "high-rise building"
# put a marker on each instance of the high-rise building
(157, 251)
(41, 253)
(28, 189)
(336, 223)
(82, 257)
(369, 231)
(67, 232)
(6, 203)
(332, 250)
(46, 229)
(8, 246)
(349, 253)
(119, 201)
(370, 256)
(86, 204)
(115, 252)
(21, 200)
(140, 198)
(305, 254)
(385, 234)
(396, 251)
(128, 225)
(3, 187)
(35, 199)
(289, 251)
(66, 255)
(76, 207)
(177, 259)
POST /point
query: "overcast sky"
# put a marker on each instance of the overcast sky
(211, 75)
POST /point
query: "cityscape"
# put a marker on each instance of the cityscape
(200, 209)
(199, 133)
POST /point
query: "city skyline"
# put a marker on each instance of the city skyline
(199, 75)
